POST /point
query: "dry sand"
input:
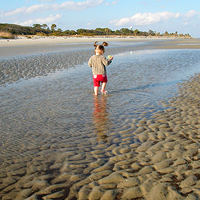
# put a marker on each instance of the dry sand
(36, 45)
(164, 164)
(36, 40)
(23, 41)
(24, 46)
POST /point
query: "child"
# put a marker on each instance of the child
(98, 63)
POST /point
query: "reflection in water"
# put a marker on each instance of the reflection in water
(46, 136)
(101, 117)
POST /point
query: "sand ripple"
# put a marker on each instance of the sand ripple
(155, 156)
(162, 163)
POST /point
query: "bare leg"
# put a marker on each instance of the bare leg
(96, 91)
(103, 86)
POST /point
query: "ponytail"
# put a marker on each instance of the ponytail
(100, 47)
(103, 44)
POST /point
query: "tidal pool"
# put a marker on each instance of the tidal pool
(50, 118)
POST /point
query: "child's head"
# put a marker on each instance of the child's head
(99, 49)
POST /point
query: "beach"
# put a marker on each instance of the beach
(141, 141)
(22, 45)
(36, 40)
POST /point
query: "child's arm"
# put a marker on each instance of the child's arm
(106, 61)
(90, 63)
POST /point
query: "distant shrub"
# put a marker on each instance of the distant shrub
(6, 35)
(56, 33)
(41, 34)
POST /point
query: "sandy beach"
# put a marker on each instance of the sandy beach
(164, 164)
(37, 40)
(21, 41)
(35, 45)
(143, 158)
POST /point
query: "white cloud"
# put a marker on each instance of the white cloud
(77, 6)
(112, 3)
(15, 12)
(186, 23)
(35, 8)
(146, 18)
(46, 0)
(30, 9)
(67, 5)
(191, 13)
(47, 20)
(191, 18)
(152, 18)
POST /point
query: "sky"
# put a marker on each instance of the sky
(182, 16)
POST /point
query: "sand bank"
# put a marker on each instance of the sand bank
(36, 40)
(164, 163)
(36, 45)
(161, 162)
(21, 41)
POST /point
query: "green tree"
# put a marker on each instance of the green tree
(44, 26)
(136, 32)
(99, 31)
(125, 31)
(36, 25)
(72, 32)
(117, 32)
(107, 31)
(158, 34)
(80, 31)
(152, 33)
(53, 26)
(166, 33)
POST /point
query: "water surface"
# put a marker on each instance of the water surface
(47, 104)
(63, 102)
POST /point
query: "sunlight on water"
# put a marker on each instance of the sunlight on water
(48, 108)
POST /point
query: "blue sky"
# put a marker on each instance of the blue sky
(182, 16)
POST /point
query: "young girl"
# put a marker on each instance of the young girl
(98, 62)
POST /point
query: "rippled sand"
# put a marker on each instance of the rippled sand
(48, 151)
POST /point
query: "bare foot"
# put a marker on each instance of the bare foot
(104, 92)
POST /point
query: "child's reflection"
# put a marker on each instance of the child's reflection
(101, 117)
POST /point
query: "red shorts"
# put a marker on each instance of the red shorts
(99, 78)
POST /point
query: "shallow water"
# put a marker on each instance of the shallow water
(48, 108)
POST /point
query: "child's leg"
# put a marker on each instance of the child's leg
(96, 91)
(103, 86)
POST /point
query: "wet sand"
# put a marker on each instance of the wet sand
(154, 158)
(36, 45)
(23, 41)
(39, 45)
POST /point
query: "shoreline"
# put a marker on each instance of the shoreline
(24, 41)
(163, 163)
(39, 40)
(40, 45)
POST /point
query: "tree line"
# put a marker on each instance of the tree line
(44, 30)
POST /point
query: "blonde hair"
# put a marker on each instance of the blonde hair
(100, 47)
